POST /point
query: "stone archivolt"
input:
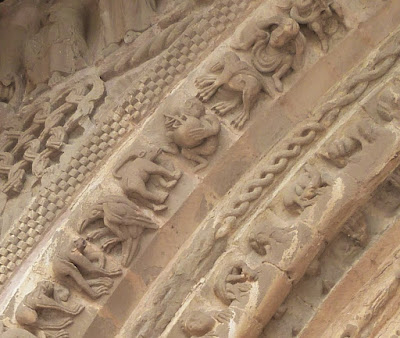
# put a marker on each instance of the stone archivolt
(263, 235)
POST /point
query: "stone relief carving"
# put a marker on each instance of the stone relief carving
(340, 150)
(46, 127)
(233, 282)
(321, 17)
(233, 76)
(59, 48)
(203, 323)
(123, 220)
(124, 19)
(8, 331)
(277, 46)
(302, 193)
(193, 133)
(50, 297)
(84, 268)
(135, 172)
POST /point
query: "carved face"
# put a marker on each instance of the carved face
(284, 33)
(80, 244)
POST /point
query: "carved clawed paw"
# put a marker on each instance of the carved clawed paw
(240, 121)
(222, 108)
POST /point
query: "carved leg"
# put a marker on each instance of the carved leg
(99, 233)
(222, 108)
(110, 244)
(101, 281)
(54, 325)
(190, 154)
(158, 197)
(156, 169)
(279, 74)
(167, 184)
(318, 29)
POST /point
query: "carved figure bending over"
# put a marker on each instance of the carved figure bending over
(232, 283)
(135, 172)
(234, 76)
(277, 46)
(318, 15)
(204, 324)
(77, 266)
(50, 297)
(302, 192)
(123, 220)
(193, 132)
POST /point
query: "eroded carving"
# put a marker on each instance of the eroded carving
(277, 46)
(232, 283)
(124, 19)
(202, 324)
(135, 172)
(46, 128)
(321, 16)
(59, 48)
(302, 193)
(193, 133)
(76, 265)
(47, 296)
(123, 220)
(339, 151)
(235, 76)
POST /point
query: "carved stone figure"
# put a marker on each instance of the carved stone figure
(14, 32)
(318, 15)
(232, 282)
(202, 324)
(193, 132)
(59, 48)
(124, 220)
(122, 19)
(76, 264)
(238, 77)
(277, 46)
(47, 296)
(135, 172)
(388, 103)
(303, 191)
(339, 151)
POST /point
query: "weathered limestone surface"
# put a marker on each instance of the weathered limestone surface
(202, 168)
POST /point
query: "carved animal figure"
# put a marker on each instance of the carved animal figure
(75, 264)
(193, 132)
(235, 76)
(135, 171)
(318, 15)
(231, 284)
(339, 151)
(46, 296)
(277, 46)
(302, 192)
(123, 219)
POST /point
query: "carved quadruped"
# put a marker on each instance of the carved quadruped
(277, 46)
(84, 268)
(135, 171)
(124, 223)
(193, 133)
(47, 296)
(234, 76)
(321, 17)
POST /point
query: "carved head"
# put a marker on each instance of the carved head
(80, 244)
(194, 107)
(198, 324)
(286, 31)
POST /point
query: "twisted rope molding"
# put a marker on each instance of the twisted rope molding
(147, 93)
(356, 85)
